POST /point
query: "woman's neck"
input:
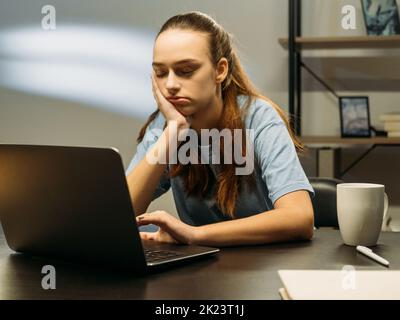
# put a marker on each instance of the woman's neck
(210, 115)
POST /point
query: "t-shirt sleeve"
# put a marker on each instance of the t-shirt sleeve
(153, 132)
(275, 153)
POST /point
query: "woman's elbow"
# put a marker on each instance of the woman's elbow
(306, 225)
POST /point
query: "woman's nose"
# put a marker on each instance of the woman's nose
(172, 83)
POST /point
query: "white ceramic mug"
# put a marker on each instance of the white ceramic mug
(361, 209)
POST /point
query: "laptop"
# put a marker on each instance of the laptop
(73, 204)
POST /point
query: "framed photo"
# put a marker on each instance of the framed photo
(381, 17)
(354, 117)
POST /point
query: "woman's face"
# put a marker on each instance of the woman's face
(183, 70)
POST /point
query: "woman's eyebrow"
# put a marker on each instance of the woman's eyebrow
(180, 62)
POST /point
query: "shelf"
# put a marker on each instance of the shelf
(359, 42)
(310, 140)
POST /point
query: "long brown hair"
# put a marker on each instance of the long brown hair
(197, 176)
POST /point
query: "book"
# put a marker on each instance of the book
(391, 126)
(393, 134)
(346, 284)
(393, 116)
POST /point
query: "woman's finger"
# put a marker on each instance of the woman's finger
(141, 220)
(147, 235)
(150, 218)
(160, 99)
(153, 88)
(156, 90)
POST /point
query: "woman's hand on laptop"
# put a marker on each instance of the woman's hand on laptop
(171, 230)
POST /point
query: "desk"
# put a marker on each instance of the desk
(234, 273)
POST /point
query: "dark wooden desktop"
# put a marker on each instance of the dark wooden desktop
(234, 273)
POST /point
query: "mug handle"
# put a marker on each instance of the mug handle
(385, 209)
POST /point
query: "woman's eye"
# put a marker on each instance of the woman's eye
(186, 72)
(160, 74)
(182, 72)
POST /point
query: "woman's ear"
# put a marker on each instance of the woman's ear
(222, 70)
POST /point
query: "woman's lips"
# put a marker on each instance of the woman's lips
(179, 101)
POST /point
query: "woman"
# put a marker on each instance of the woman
(199, 83)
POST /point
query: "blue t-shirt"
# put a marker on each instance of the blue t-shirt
(277, 169)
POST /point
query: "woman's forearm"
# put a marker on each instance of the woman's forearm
(278, 225)
(145, 177)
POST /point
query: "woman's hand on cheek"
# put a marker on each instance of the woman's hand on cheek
(167, 108)
(171, 230)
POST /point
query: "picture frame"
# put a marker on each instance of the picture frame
(381, 17)
(355, 117)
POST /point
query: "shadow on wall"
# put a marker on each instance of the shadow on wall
(106, 68)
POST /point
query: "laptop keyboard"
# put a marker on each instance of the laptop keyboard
(159, 255)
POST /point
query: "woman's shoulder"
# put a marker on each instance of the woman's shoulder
(154, 129)
(158, 122)
(259, 112)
